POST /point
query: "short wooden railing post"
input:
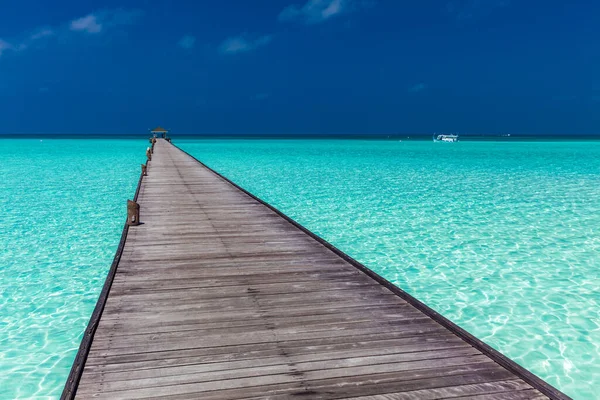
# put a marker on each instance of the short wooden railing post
(133, 213)
(144, 170)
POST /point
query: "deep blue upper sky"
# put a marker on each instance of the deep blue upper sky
(300, 66)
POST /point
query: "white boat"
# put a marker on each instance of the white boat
(445, 138)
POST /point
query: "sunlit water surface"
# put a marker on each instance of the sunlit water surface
(502, 238)
(62, 209)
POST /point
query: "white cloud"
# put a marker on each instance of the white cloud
(419, 87)
(315, 11)
(4, 45)
(93, 23)
(88, 24)
(24, 44)
(42, 33)
(187, 42)
(242, 44)
(101, 20)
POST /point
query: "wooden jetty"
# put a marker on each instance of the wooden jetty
(216, 295)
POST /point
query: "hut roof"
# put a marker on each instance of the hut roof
(159, 129)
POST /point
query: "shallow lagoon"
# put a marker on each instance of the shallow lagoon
(62, 209)
(502, 238)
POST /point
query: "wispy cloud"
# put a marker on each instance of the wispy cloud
(419, 87)
(42, 33)
(4, 45)
(88, 24)
(23, 44)
(243, 44)
(464, 10)
(93, 23)
(187, 42)
(316, 11)
(101, 20)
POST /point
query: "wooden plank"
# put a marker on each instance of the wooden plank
(333, 388)
(118, 346)
(508, 389)
(333, 351)
(218, 296)
(309, 362)
(257, 376)
(141, 326)
(258, 349)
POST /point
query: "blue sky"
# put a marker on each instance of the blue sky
(300, 66)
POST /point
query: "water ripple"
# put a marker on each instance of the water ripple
(62, 204)
(502, 238)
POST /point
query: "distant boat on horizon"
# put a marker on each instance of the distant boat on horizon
(445, 138)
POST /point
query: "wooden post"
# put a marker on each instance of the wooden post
(144, 173)
(168, 139)
(133, 213)
(149, 154)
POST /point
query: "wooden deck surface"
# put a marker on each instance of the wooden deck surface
(216, 296)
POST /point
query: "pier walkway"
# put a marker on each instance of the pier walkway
(218, 296)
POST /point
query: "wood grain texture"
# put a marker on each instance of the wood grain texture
(216, 296)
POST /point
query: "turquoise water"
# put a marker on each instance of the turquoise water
(502, 238)
(62, 208)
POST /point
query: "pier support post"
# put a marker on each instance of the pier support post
(133, 213)
(149, 154)
(144, 171)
